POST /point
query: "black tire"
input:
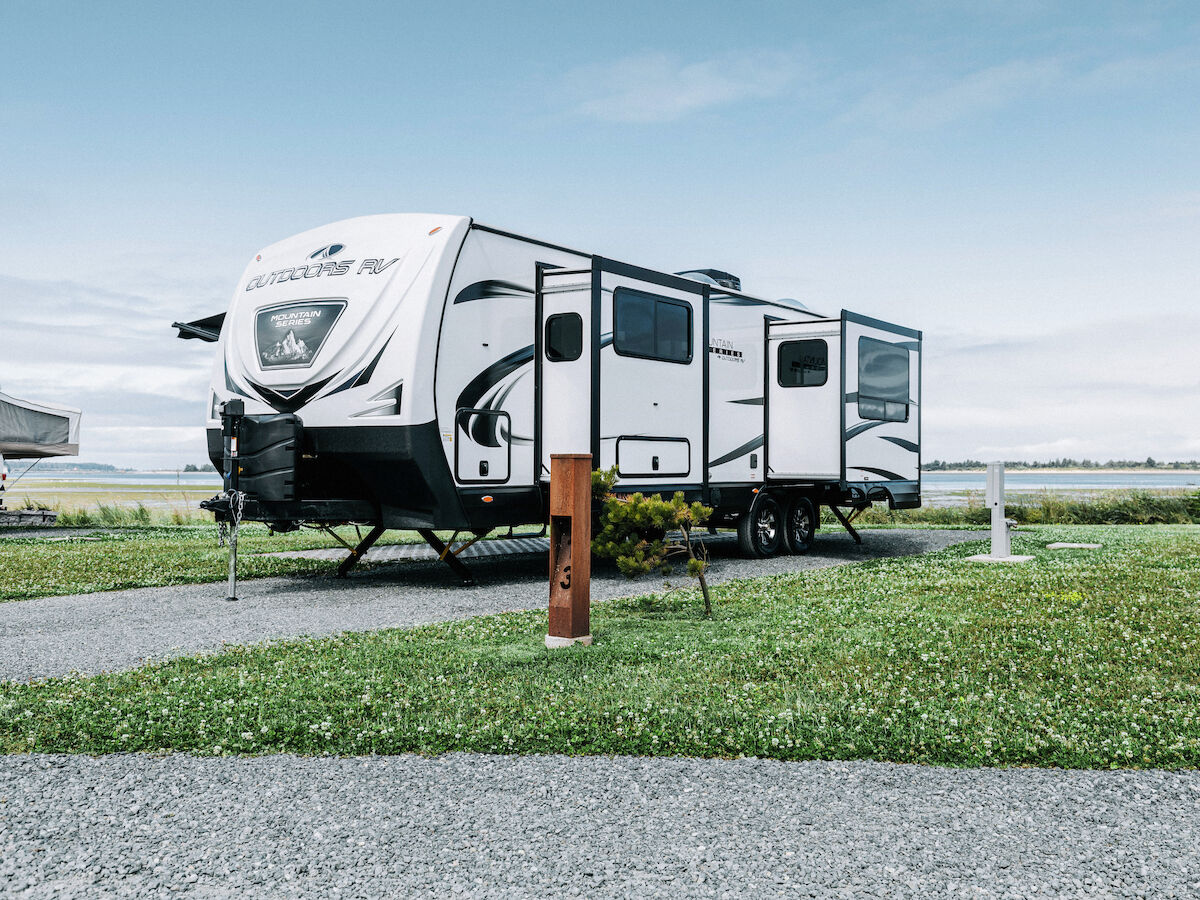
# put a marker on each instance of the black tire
(800, 526)
(760, 531)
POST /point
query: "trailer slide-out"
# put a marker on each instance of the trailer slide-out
(417, 371)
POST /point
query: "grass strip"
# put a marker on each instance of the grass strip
(153, 557)
(1078, 659)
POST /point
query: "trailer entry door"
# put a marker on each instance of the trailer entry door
(563, 345)
(803, 398)
(652, 360)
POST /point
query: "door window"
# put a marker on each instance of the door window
(803, 363)
(564, 337)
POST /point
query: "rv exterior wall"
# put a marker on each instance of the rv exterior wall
(485, 352)
(409, 347)
(388, 274)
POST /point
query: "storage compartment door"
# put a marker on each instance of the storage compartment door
(482, 446)
(653, 457)
(563, 344)
(804, 400)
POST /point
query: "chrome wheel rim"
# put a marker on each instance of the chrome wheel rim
(801, 525)
(766, 527)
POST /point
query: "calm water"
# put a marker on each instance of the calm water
(163, 479)
(1065, 482)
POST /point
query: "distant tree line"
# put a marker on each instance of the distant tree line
(939, 465)
(79, 467)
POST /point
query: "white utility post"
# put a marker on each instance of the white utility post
(994, 499)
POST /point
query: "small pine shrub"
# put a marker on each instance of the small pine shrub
(635, 531)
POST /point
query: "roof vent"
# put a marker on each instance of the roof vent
(714, 276)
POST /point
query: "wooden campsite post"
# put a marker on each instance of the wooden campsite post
(570, 549)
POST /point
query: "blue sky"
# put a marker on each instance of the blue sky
(1019, 179)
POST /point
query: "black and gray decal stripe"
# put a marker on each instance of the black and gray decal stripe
(290, 402)
(900, 442)
(865, 426)
(749, 401)
(481, 290)
(472, 395)
(364, 376)
(738, 451)
(891, 476)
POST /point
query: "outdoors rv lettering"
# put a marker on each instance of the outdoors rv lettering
(340, 267)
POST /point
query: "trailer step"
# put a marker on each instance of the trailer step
(398, 552)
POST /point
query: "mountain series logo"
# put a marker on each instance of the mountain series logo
(290, 335)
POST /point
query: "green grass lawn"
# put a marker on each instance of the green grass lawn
(129, 557)
(150, 557)
(1080, 659)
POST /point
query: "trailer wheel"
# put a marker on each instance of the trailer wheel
(760, 531)
(800, 526)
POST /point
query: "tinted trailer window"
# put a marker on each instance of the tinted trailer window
(883, 380)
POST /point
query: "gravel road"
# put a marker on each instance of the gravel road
(121, 629)
(494, 826)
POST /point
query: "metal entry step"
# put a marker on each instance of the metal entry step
(396, 552)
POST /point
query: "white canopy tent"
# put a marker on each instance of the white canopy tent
(30, 430)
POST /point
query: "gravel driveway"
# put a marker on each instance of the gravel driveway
(121, 629)
(495, 826)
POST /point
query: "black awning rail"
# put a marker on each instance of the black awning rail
(206, 329)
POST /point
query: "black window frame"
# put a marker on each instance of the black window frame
(779, 361)
(883, 400)
(656, 299)
(546, 336)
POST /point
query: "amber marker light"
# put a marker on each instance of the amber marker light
(436, 230)
(487, 498)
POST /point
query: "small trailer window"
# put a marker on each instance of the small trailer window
(803, 363)
(651, 327)
(883, 381)
(564, 337)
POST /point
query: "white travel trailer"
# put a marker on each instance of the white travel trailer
(417, 371)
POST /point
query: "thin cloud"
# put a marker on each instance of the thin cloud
(935, 101)
(659, 87)
(1117, 389)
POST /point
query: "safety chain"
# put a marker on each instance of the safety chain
(237, 500)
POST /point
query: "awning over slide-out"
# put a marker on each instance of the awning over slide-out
(31, 430)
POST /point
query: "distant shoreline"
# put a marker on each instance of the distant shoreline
(1089, 471)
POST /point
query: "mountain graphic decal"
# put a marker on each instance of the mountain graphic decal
(289, 350)
(289, 335)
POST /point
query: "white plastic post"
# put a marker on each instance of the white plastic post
(994, 498)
